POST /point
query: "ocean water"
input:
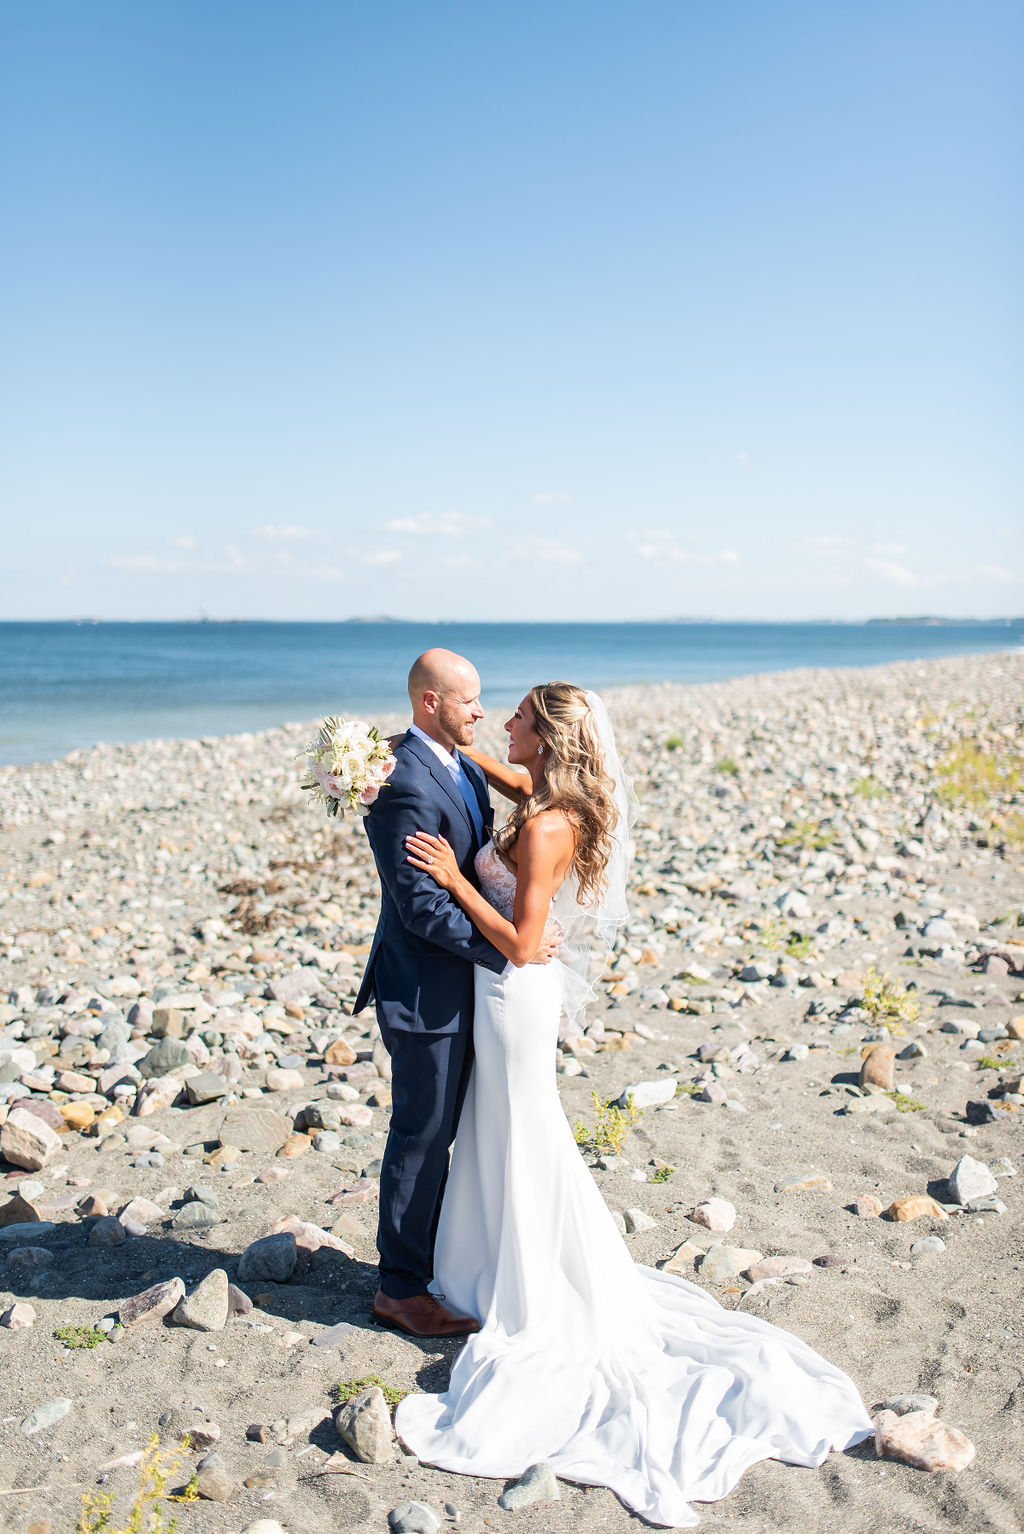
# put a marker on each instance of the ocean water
(68, 685)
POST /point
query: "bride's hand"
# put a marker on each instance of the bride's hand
(434, 856)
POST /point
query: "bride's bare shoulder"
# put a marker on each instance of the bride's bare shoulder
(550, 828)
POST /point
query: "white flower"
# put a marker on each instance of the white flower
(348, 763)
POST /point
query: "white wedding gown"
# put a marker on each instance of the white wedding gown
(615, 1374)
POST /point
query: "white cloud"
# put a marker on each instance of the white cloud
(146, 562)
(888, 550)
(186, 543)
(543, 551)
(288, 532)
(665, 546)
(743, 457)
(226, 560)
(830, 545)
(896, 575)
(551, 498)
(381, 557)
(995, 573)
(446, 524)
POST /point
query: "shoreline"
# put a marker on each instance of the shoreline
(817, 875)
(618, 693)
(184, 682)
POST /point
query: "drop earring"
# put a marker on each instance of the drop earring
(540, 750)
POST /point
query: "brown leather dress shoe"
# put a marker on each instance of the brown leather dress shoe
(422, 1315)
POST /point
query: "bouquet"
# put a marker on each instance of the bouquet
(348, 764)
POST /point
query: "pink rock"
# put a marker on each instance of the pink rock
(155, 1094)
(922, 1440)
(152, 1304)
(43, 1109)
(877, 1067)
(279, 1079)
(715, 1214)
(868, 1207)
(775, 1267)
(74, 1081)
(362, 1192)
(359, 1073)
(355, 1115)
(27, 1140)
(18, 1317)
(35, 1082)
(996, 966)
(310, 1237)
(142, 1210)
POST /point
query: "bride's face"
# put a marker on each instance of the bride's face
(523, 740)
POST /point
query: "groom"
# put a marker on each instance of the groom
(420, 973)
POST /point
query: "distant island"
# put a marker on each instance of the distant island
(950, 622)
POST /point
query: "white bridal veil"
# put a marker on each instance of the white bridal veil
(589, 927)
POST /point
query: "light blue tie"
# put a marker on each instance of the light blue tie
(468, 793)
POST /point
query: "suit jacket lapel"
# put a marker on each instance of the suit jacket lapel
(441, 776)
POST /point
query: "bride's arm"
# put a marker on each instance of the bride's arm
(544, 845)
(513, 782)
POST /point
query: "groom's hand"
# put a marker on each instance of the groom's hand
(550, 943)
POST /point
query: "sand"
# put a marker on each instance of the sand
(799, 833)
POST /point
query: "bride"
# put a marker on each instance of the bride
(615, 1374)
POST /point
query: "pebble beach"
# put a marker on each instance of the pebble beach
(799, 1088)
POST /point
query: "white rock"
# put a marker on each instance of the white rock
(647, 1094)
(970, 1179)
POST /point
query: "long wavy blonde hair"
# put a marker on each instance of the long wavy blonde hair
(575, 781)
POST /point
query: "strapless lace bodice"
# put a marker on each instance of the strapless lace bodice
(497, 883)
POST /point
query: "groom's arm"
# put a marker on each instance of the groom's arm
(426, 910)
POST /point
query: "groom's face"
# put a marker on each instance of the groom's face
(459, 709)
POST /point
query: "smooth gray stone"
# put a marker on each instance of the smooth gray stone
(271, 1259)
(414, 1518)
(196, 1216)
(205, 1088)
(27, 1230)
(165, 1056)
(538, 1484)
(45, 1415)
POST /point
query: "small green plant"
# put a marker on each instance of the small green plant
(145, 1516)
(687, 1089)
(990, 1063)
(674, 743)
(609, 1133)
(1010, 830)
(870, 788)
(349, 1389)
(798, 947)
(661, 1174)
(807, 834)
(973, 776)
(770, 933)
(888, 1002)
(80, 1336)
(904, 1102)
(729, 765)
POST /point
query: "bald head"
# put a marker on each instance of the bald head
(444, 690)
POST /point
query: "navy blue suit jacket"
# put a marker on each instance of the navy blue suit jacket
(420, 966)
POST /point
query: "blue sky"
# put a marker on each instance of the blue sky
(514, 310)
